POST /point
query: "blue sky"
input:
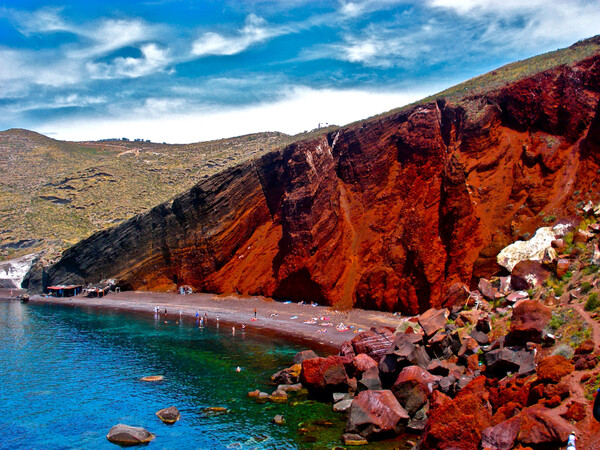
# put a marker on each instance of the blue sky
(184, 71)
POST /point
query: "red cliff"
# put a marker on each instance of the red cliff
(386, 214)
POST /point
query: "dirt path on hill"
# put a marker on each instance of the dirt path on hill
(589, 428)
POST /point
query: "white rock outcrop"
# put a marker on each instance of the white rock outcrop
(532, 250)
(13, 271)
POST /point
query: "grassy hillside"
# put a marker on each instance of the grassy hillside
(54, 193)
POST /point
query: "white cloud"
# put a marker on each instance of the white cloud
(254, 31)
(153, 59)
(303, 109)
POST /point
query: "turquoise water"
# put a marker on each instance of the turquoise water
(69, 374)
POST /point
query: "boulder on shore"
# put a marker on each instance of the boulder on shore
(126, 435)
(376, 415)
(324, 376)
(433, 320)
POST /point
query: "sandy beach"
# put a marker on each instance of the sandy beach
(317, 325)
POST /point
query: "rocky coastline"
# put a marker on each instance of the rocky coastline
(512, 364)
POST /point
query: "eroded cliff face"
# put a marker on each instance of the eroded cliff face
(387, 214)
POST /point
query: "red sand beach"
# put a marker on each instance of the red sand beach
(272, 316)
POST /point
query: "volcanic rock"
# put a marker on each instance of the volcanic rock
(529, 318)
(290, 375)
(376, 415)
(487, 290)
(458, 422)
(433, 320)
(169, 415)
(504, 360)
(363, 362)
(562, 266)
(278, 419)
(531, 250)
(343, 405)
(324, 376)
(384, 214)
(369, 380)
(553, 368)
(413, 387)
(126, 435)
(528, 275)
(306, 354)
(374, 342)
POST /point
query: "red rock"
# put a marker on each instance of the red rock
(585, 347)
(433, 320)
(324, 376)
(413, 387)
(383, 214)
(457, 295)
(501, 436)
(553, 368)
(487, 290)
(528, 275)
(575, 412)
(374, 342)
(562, 266)
(363, 362)
(540, 426)
(376, 415)
(582, 236)
(506, 411)
(529, 318)
(459, 422)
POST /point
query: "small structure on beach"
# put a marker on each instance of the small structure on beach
(65, 291)
(96, 291)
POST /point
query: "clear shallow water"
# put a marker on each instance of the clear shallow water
(69, 374)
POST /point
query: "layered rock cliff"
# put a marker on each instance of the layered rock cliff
(385, 214)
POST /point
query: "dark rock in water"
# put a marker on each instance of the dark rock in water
(324, 376)
(529, 318)
(126, 435)
(501, 361)
(290, 375)
(278, 419)
(279, 396)
(169, 415)
(354, 439)
(376, 415)
(369, 380)
(306, 354)
(433, 320)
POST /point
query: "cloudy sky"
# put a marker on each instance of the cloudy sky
(185, 71)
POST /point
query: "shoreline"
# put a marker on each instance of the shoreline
(286, 319)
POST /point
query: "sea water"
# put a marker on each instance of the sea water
(69, 374)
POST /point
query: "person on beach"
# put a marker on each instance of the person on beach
(233, 330)
(255, 313)
(243, 327)
(217, 318)
(571, 441)
(197, 314)
(206, 317)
